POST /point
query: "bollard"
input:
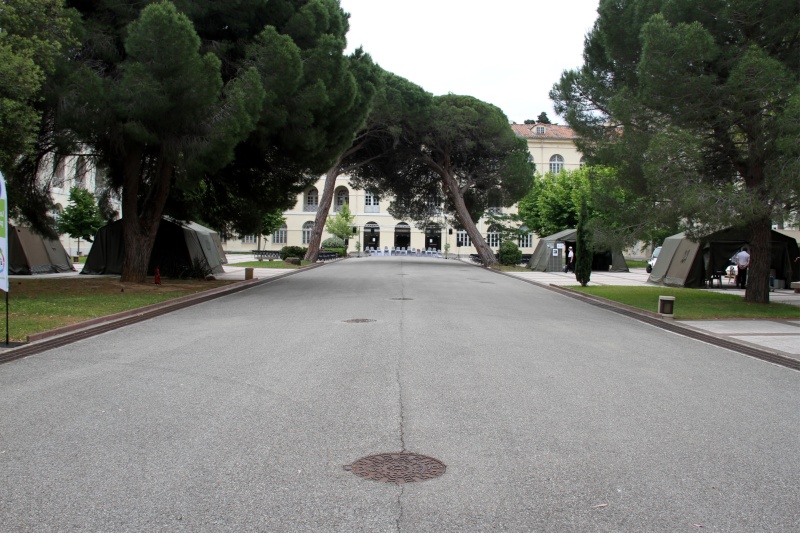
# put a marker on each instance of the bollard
(248, 273)
(666, 306)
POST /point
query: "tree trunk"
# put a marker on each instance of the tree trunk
(139, 230)
(462, 213)
(760, 257)
(322, 212)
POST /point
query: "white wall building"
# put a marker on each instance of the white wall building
(552, 149)
(73, 171)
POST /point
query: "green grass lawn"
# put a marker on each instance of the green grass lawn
(37, 305)
(636, 264)
(692, 304)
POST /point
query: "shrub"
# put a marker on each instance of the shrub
(510, 254)
(341, 252)
(333, 242)
(292, 251)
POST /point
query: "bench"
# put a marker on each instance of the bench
(327, 256)
(796, 286)
(266, 254)
(524, 260)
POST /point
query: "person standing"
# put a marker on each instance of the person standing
(571, 260)
(742, 262)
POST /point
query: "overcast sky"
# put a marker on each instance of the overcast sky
(505, 52)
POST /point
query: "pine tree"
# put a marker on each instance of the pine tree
(583, 247)
(81, 218)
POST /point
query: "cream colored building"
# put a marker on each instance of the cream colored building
(72, 171)
(552, 149)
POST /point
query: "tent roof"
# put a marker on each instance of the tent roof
(563, 235)
(794, 234)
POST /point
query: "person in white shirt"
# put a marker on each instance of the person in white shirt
(742, 262)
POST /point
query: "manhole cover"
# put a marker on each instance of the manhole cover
(402, 298)
(397, 467)
(358, 320)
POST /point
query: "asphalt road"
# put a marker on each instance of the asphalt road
(240, 414)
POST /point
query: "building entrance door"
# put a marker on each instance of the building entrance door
(372, 236)
(433, 237)
(402, 235)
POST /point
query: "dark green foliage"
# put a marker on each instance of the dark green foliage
(317, 99)
(341, 251)
(552, 203)
(454, 150)
(34, 35)
(293, 251)
(333, 242)
(693, 101)
(583, 247)
(509, 253)
(220, 111)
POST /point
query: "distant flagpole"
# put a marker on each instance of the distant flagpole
(4, 244)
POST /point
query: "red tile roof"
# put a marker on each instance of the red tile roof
(551, 131)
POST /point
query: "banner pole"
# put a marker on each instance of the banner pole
(6, 318)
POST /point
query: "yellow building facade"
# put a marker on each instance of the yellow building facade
(552, 149)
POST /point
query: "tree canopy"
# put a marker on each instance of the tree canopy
(459, 151)
(219, 111)
(695, 103)
(341, 224)
(81, 218)
(33, 33)
(394, 105)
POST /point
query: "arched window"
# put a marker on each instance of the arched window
(279, 237)
(312, 200)
(81, 170)
(556, 163)
(307, 228)
(59, 173)
(342, 197)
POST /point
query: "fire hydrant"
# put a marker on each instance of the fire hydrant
(158, 276)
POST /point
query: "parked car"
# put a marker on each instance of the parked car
(652, 261)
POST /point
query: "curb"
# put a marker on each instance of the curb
(62, 336)
(654, 319)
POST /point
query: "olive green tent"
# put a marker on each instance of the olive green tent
(549, 257)
(177, 248)
(30, 253)
(685, 262)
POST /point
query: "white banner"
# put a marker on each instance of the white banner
(3, 235)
